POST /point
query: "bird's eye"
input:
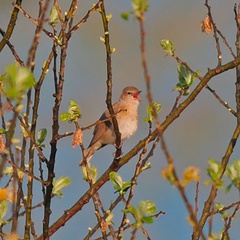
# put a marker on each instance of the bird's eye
(129, 93)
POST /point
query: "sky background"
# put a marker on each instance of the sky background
(201, 132)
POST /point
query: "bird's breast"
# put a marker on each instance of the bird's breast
(127, 126)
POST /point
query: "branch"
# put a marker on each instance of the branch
(214, 34)
(109, 82)
(84, 199)
(31, 64)
(84, 19)
(225, 104)
(16, 56)
(213, 191)
(11, 26)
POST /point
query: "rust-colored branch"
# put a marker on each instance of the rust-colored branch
(84, 199)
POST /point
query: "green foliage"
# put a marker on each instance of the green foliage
(233, 173)
(146, 167)
(139, 8)
(186, 79)
(125, 15)
(8, 171)
(73, 113)
(143, 213)
(3, 131)
(109, 218)
(42, 133)
(23, 128)
(119, 185)
(54, 18)
(150, 112)
(3, 211)
(167, 46)
(214, 171)
(16, 81)
(59, 184)
(93, 173)
(219, 206)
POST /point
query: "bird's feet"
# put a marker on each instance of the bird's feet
(118, 147)
(117, 157)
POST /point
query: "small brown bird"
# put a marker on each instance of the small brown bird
(126, 110)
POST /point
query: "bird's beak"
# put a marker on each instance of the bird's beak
(137, 96)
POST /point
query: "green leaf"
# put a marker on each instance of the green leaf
(74, 110)
(150, 113)
(146, 167)
(93, 173)
(3, 209)
(147, 219)
(2, 131)
(59, 184)
(42, 133)
(219, 206)
(186, 79)
(24, 130)
(116, 179)
(133, 211)
(233, 173)
(214, 171)
(167, 46)
(8, 171)
(125, 15)
(228, 188)
(16, 81)
(119, 185)
(147, 207)
(126, 185)
(73, 113)
(64, 116)
(184, 76)
(54, 19)
(142, 214)
(109, 218)
(139, 7)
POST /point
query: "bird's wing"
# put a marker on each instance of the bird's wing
(101, 128)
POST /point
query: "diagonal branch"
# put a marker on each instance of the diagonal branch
(84, 199)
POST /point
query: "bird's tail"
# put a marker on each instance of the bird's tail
(87, 154)
(86, 158)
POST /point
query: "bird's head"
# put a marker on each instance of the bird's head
(130, 94)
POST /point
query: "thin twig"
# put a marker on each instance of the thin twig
(36, 22)
(228, 222)
(11, 26)
(224, 103)
(110, 83)
(84, 19)
(219, 53)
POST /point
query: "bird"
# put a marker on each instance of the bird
(126, 112)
